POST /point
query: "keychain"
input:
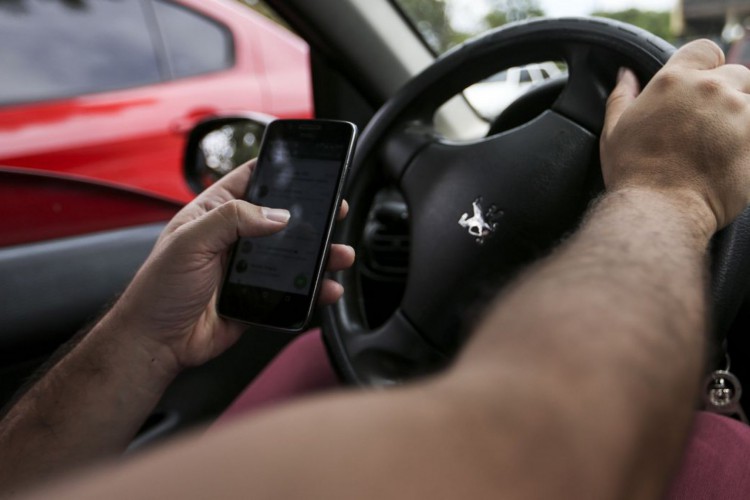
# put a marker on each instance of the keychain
(722, 393)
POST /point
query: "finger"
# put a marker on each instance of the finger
(217, 229)
(736, 75)
(699, 54)
(622, 96)
(340, 258)
(230, 187)
(343, 210)
(330, 292)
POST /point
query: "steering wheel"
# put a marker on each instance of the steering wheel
(480, 210)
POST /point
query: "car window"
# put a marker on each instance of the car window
(89, 46)
(194, 43)
(498, 77)
(443, 24)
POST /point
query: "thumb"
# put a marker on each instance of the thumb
(622, 96)
(219, 228)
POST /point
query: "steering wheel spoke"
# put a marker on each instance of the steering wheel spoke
(393, 352)
(402, 146)
(590, 79)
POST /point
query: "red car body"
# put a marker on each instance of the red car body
(135, 137)
(39, 206)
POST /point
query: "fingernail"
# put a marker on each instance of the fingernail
(275, 214)
(620, 73)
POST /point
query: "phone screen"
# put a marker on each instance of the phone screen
(273, 280)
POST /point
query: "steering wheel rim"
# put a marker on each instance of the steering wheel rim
(550, 164)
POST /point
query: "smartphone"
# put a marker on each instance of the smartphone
(273, 281)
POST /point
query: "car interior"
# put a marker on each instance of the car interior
(425, 156)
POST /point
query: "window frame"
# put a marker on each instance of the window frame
(163, 50)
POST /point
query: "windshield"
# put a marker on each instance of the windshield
(446, 23)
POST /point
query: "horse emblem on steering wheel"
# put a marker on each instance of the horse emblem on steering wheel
(482, 224)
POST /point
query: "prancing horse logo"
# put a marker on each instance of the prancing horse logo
(480, 225)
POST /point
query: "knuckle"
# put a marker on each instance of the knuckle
(668, 79)
(229, 207)
(241, 213)
(740, 75)
(230, 211)
(711, 85)
(740, 69)
(736, 101)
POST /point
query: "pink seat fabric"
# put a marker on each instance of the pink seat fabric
(716, 463)
(301, 368)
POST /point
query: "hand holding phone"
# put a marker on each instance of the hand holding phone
(274, 281)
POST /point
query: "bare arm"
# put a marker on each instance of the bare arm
(561, 395)
(92, 402)
(89, 405)
(579, 383)
(602, 345)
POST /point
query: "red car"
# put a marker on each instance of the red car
(115, 99)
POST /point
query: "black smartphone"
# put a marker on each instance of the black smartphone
(273, 281)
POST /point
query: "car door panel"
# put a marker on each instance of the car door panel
(51, 288)
(41, 206)
(68, 246)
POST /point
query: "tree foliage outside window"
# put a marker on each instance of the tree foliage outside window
(263, 9)
(657, 23)
(508, 11)
(432, 19)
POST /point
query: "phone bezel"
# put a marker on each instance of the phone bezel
(300, 305)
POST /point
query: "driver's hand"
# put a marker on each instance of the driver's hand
(172, 299)
(687, 135)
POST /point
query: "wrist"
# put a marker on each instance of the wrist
(681, 206)
(129, 337)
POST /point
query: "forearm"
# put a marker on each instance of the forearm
(89, 405)
(597, 352)
(579, 383)
(558, 395)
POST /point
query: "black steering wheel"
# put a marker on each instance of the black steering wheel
(480, 210)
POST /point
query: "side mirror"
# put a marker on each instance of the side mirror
(217, 146)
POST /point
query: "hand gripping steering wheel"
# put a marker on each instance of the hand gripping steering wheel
(480, 210)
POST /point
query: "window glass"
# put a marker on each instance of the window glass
(195, 44)
(443, 24)
(446, 23)
(57, 48)
(745, 52)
